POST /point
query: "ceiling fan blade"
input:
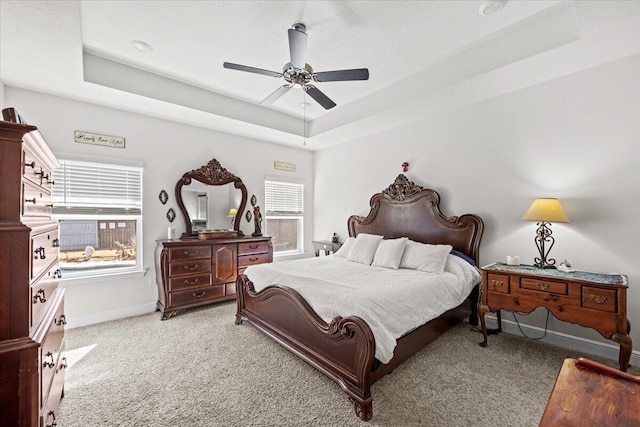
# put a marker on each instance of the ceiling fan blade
(320, 97)
(342, 75)
(255, 70)
(275, 95)
(297, 45)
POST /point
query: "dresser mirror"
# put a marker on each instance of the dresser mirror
(206, 196)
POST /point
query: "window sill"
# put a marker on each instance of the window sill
(86, 280)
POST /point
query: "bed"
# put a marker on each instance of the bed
(344, 348)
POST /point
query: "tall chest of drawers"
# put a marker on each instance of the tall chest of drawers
(31, 304)
(191, 273)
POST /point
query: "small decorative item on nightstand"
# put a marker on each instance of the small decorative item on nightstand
(334, 238)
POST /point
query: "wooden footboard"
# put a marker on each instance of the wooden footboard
(343, 350)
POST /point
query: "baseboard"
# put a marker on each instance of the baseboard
(609, 351)
(105, 316)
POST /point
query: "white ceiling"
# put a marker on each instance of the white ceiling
(423, 57)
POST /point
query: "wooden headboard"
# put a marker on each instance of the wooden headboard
(405, 209)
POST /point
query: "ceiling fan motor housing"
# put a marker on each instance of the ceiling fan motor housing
(297, 76)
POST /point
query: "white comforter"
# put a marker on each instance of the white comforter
(392, 302)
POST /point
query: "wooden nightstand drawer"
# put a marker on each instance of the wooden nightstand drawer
(189, 252)
(498, 283)
(544, 285)
(600, 299)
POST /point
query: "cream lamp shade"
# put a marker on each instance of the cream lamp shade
(232, 212)
(545, 210)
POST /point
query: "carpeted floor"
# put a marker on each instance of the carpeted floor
(199, 369)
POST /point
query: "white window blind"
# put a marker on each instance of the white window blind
(89, 188)
(284, 198)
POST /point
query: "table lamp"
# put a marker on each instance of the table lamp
(232, 214)
(545, 211)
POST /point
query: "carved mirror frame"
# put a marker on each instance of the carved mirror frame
(210, 174)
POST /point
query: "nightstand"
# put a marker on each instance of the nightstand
(592, 300)
(326, 246)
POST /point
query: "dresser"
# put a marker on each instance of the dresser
(31, 303)
(191, 272)
(592, 300)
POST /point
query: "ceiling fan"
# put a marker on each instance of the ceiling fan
(299, 74)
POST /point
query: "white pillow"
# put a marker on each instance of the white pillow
(364, 248)
(425, 257)
(344, 250)
(389, 253)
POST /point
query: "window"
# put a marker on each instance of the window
(284, 203)
(99, 210)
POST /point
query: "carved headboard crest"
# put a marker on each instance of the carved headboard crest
(402, 188)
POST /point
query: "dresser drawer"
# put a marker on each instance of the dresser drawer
(35, 200)
(600, 299)
(51, 409)
(190, 267)
(196, 295)
(44, 251)
(252, 248)
(247, 260)
(51, 350)
(544, 285)
(34, 170)
(187, 282)
(41, 293)
(498, 283)
(189, 252)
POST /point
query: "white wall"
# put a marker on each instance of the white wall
(168, 150)
(576, 138)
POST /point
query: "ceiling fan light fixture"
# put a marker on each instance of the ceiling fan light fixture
(297, 85)
(492, 6)
(142, 46)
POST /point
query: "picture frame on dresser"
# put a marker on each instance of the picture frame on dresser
(32, 320)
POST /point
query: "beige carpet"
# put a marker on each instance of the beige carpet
(199, 369)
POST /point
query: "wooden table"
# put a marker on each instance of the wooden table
(592, 300)
(588, 393)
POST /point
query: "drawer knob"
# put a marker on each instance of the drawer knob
(39, 296)
(32, 165)
(40, 252)
(543, 286)
(189, 283)
(48, 364)
(497, 283)
(254, 259)
(191, 267)
(598, 299)
(199, 295)
(30, 200)
(39, 173)
(61, 321)
(55, 243)
(253, 247)
(63, 363)
(57, 274)
(194, 253)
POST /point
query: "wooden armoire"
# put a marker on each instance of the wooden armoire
(31, 303)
